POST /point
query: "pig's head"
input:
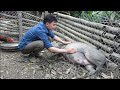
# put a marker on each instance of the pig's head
(79, 58)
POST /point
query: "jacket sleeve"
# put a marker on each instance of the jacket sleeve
(51, 34)
(43, 37)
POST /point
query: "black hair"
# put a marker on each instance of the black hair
(49, 18)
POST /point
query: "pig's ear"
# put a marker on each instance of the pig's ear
(76, 59)
(73, 41)
(61, 44)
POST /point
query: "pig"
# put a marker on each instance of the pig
(86, 55)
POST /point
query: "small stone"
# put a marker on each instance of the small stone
(68, 70)
(47, 76)
(1, 71)
(53, 72)
(105, 76)
(112, 76)
(97, 77)
(74, 78)
(34, 71)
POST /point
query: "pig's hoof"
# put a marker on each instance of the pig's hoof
(92, 72)
(90, 69)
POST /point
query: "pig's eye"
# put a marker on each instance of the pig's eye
(77, 59)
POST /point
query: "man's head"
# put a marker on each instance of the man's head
(50, 21)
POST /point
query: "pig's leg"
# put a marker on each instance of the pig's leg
(90, 69)
(89, 66)
(99, 68)
(83, 61)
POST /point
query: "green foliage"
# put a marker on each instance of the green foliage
(97, 16)
(75, 13)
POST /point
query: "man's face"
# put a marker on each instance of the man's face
(51, 26)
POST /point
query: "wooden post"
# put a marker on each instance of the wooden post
(46, 13)
(20, 24)
(37, 12)
(42, 16)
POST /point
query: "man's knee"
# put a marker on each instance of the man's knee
(25, 51)
(39, 45)
(35, 46)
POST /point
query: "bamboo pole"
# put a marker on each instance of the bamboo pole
(115, 56)
(74, 37)
(10, 24)
(32, 15)
(105, 53)
(9, 27)
(69, 34)
(6, 29)
(70, 39)
(28, 20)
(63, 36)
(61, 24)
(117, 50)
(14, 34)
(9, 16)
(110, 43)
(11, 20)
(89, 29)
(91, 35)
(30, 24)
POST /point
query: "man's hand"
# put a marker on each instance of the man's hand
(71, 50)
(68, 42)
(62, 41)
(57, 50)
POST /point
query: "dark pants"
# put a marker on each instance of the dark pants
(34, 47)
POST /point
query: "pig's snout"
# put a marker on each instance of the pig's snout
(81, 61)
(78, 60)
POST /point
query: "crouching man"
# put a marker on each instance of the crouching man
(36, 38)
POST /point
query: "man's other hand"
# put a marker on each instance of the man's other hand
(67, 42)
(71, 50)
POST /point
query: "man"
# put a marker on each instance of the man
(36, 38)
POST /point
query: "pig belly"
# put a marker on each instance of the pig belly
(78, 58)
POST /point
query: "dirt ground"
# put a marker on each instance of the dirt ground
(14, 66)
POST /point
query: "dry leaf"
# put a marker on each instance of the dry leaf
(105, 76)
(34, 71)
(83, 74)
(112, 76)
(53, 72)
(68, 71)
(74, 78)
(97, 77)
